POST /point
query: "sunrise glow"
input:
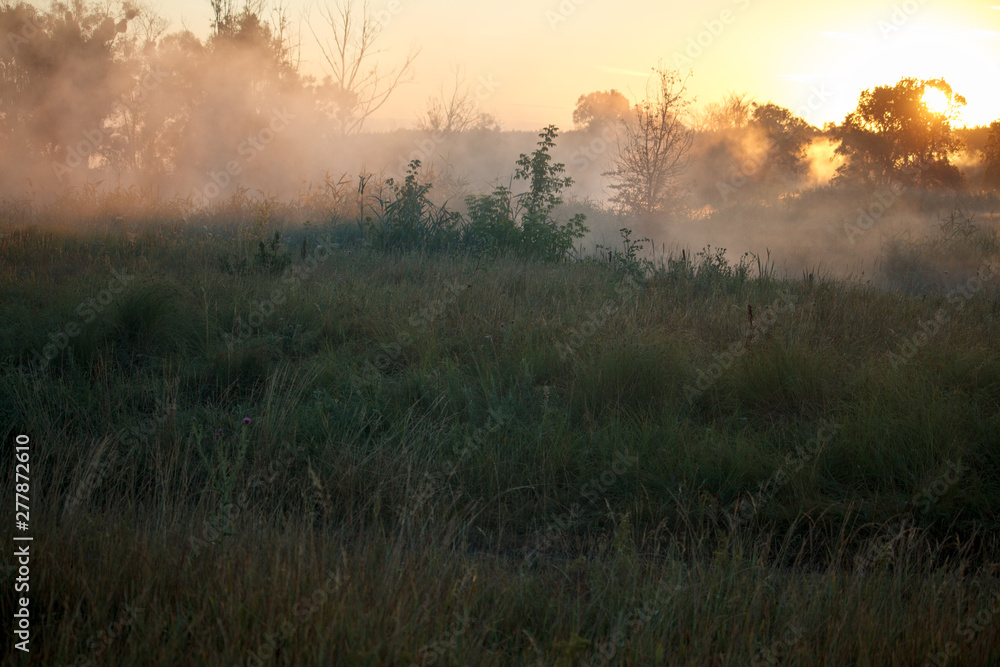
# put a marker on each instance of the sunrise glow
(402, 332)
(935, 100)
(547, 54)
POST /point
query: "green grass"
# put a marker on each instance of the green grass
(418, 483)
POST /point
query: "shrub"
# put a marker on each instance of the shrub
(499, 221)
(626, 260)
(528, 228)
(409, 219)
(492, 225)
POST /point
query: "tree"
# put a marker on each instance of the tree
(653, 149)
(761, 159)
(456, 112)
(134, 122)
(991, 157)
(60, 74)
(215, 97)
(355, 85)
(600, 108)
(732, 113)
(894, 134)
(786, 136)
(248, 31)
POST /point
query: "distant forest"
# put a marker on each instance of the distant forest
(91, 94)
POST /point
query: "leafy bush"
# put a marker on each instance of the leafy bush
(499, 221)
(714, 264)
(409, 219)
(493, 226)
(528, 228)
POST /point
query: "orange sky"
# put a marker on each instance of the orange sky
(811, 57)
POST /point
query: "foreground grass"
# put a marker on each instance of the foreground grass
(424, 459)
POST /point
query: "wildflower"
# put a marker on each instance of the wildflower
(246, 420)
(218, 434)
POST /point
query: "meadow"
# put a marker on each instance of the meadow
(257, 438)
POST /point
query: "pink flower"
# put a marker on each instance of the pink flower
(218, 434)
(246, 420)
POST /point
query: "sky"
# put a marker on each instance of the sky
(532, 59)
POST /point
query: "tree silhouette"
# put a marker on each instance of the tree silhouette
(600, 108)
(786, 135)
(355, 86)
(457, 111)
(732, 112)
(247, 31)
(991, 157)
(653, 149)
(59, 76)
(217, 95)
(894, 135)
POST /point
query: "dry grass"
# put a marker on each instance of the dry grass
(419, 484)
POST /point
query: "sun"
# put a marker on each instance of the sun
(935, 100)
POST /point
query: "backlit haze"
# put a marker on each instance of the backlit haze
(546, 54)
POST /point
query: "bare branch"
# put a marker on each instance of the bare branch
(653, 152)
(357, 86)
(456, 112)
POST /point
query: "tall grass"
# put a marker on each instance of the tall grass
(428, 458)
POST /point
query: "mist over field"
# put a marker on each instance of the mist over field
(568, 333)
(112, 99)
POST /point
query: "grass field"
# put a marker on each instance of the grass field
(419, 458)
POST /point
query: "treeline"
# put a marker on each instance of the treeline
(91, 92)
(739, 149)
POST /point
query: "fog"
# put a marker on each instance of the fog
(104, 99)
